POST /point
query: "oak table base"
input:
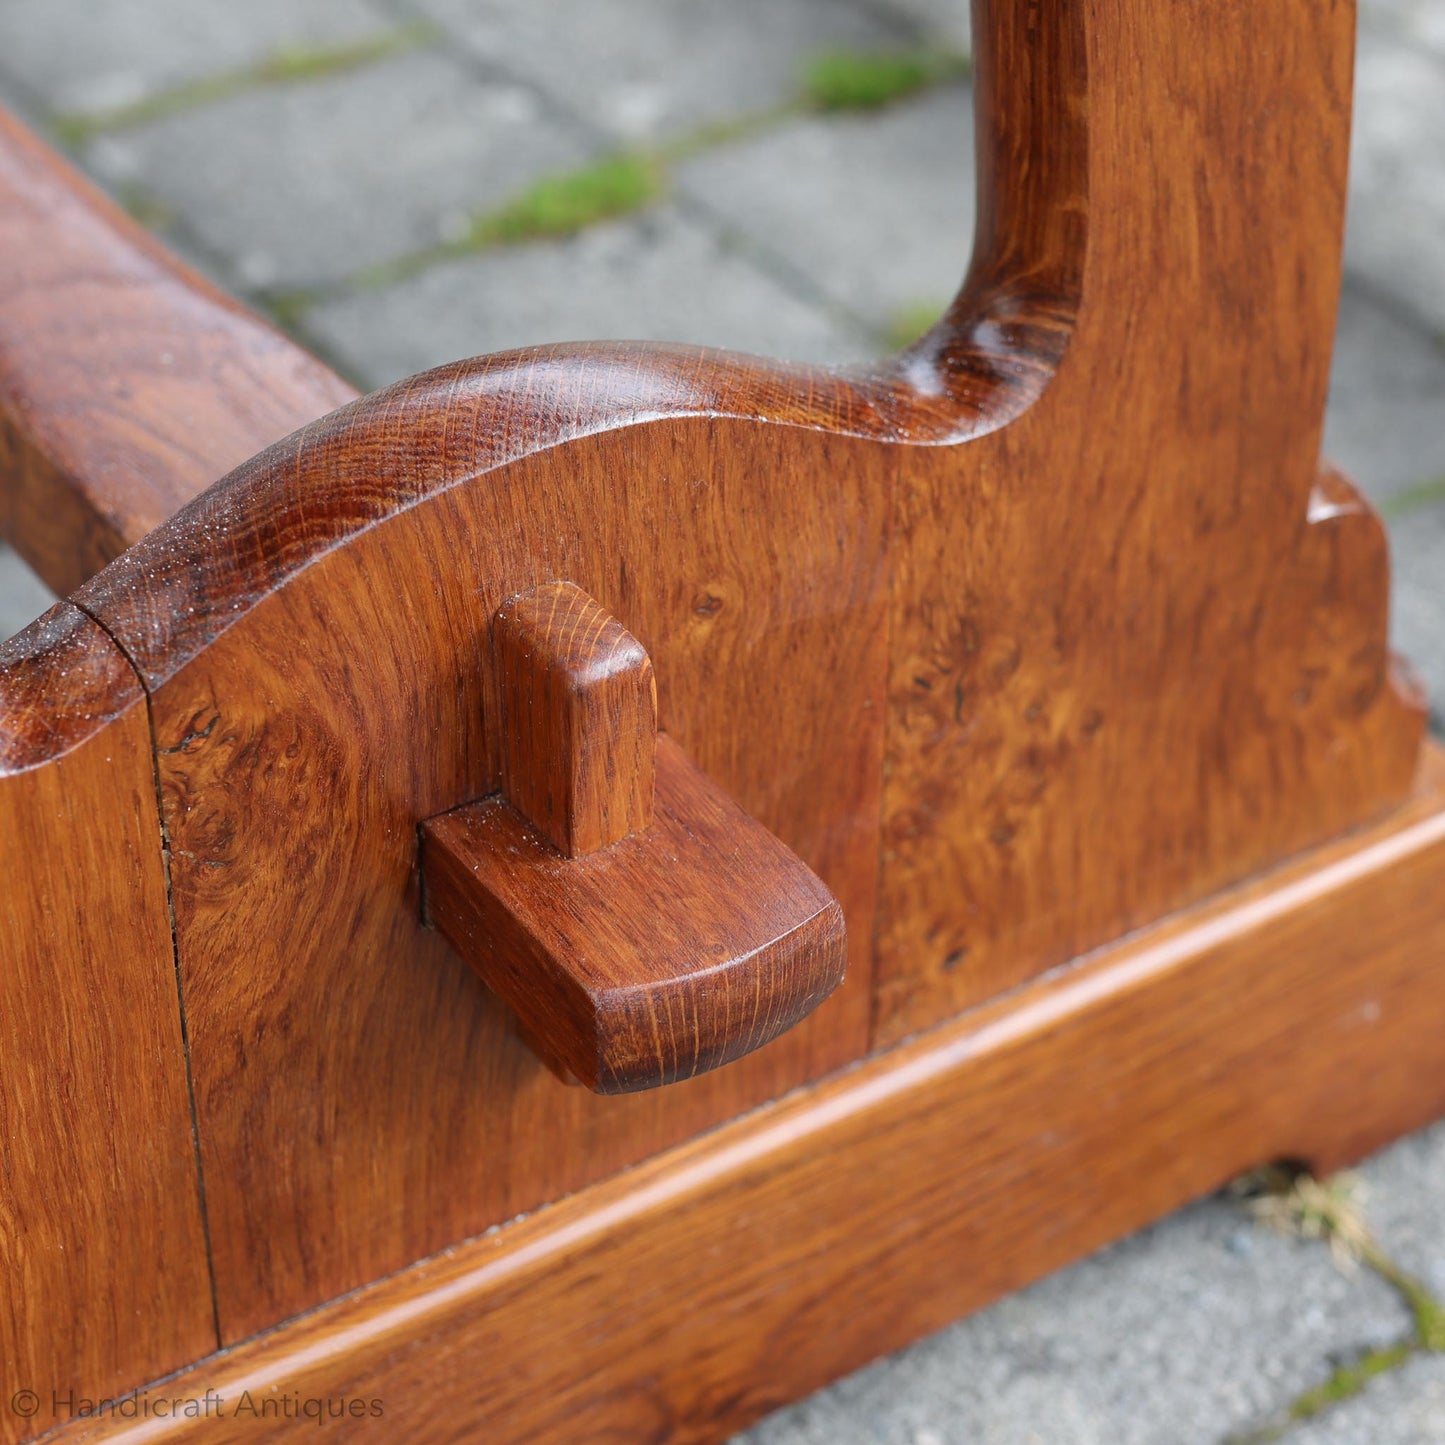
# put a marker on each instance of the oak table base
(1300, 1017)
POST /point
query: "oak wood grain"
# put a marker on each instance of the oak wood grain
(304, 740)
(1132, 659)
(1073, 554)
(128, 384)
(103, 1275)
(578, 718)
(1297, 1017)
(678, 949)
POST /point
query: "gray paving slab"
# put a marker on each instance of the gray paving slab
(1404, 1407)
(1418, 21)
(1395, 239)
(653, 68)
(944, 22)
(1405, 1202)
(1385, 424)
(1203, 1325)
(305, 183)
(1417, 624)
(93, 55)
(23, 596)
(876, 211)
(655, 277)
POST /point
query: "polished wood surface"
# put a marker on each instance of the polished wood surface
(1063, 574)
(1019, 641)
(314, 700)
(676, 950)
(643, 928)
(577, 707)
(103, 1276)
(1298, 1017)
(1135, 655)
(127, 383)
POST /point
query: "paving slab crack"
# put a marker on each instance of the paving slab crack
(628, 180)
(287, 66)
(1330, 1211)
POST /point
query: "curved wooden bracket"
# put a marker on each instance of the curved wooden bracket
(637, 945)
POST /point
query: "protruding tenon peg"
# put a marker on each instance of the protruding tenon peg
(579, 719)
(638, 940)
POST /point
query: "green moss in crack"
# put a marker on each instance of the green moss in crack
(1422, 494)
(288, 66)
(870, 79)
(911, 323)
(562, 205)
(1348, 1380)
(553, 207)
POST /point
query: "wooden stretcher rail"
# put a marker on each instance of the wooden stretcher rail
(128, 383)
